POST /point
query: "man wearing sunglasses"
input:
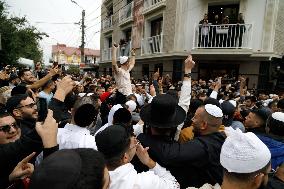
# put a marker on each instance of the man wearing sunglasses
(24, 110)
(9, 131)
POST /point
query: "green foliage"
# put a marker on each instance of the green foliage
(73, 69)
(19, 39)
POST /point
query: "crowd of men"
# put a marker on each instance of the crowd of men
(118, 132)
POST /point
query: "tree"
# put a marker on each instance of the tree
(19, 38)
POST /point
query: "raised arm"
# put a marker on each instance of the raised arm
(114, 59)
(132, 60)
(45, 79)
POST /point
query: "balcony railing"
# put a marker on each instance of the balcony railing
(107, 54)
(126, 13)
(152, 45)
(152, 4)
(223, 36)
(107, 23)
(123, 50)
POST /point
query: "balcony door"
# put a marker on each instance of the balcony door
(230, 10)
(156, 27)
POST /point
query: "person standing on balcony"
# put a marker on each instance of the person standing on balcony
(203, 31)
(215, 36)
(240, 30)
(122, 73)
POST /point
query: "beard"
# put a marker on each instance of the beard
(196, 131)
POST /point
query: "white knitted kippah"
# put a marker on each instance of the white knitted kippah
(243, 152)
(279, 116)
(123, 59)
(214, 110)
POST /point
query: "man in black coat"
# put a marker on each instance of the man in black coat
(195, 162)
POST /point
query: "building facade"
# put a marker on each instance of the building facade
(72, 55)
(165, 31)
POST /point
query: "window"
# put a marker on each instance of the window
(145, 70)
(177, 70)
(156, 26)
(231, 10)
(109, 40)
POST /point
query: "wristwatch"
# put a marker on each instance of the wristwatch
(187, 75)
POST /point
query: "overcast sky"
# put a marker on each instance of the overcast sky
(60, 11)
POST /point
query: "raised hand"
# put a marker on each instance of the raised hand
(23, 169)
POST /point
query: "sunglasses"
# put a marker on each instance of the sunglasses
(7, 128)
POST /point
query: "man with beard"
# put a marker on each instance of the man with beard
(245, 160)
(24, 110)
(192, 163)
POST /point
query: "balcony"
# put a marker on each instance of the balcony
(152, 45)
(107, 24)
(123, 50)
(153, 5)
(126, 14)
(225, 36)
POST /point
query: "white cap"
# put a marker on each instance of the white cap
(233, 102)
(131, 105)
(123, 59)
(243, 152)
(214, 110)
(279, 116)
(111, 113)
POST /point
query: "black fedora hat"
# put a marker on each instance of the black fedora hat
(163, 112)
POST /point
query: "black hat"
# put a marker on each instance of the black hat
(228, 110)
(69, 168)
(262, 113)
(163, 112)
(112, 141)
(59, 170)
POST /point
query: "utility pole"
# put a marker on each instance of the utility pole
(83, 37)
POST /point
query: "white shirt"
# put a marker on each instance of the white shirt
(123, 83)
(73, 136)
(126, 177)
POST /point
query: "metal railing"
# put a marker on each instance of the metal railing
(123, 50)
(151, 3)
(107, 22)
(152, 45)
(223, 36)
(126, 12)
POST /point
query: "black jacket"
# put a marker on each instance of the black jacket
(12, 153)
(193, 163)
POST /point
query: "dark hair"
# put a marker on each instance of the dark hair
(22, 72)
(244, 177)
(251, 98)
(213, 101)
(275, 127)
(122, 116)
(15, 101)
(86, 110)
(92, 170)
(274, 102)
(3, 113)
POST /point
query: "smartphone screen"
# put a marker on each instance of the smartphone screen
(42, 109)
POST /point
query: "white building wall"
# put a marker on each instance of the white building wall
(190, 12)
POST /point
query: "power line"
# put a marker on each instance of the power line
(56, 23)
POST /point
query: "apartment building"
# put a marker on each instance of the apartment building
(165, 31)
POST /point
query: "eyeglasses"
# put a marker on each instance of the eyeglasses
(7, 128)
(28, 105)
